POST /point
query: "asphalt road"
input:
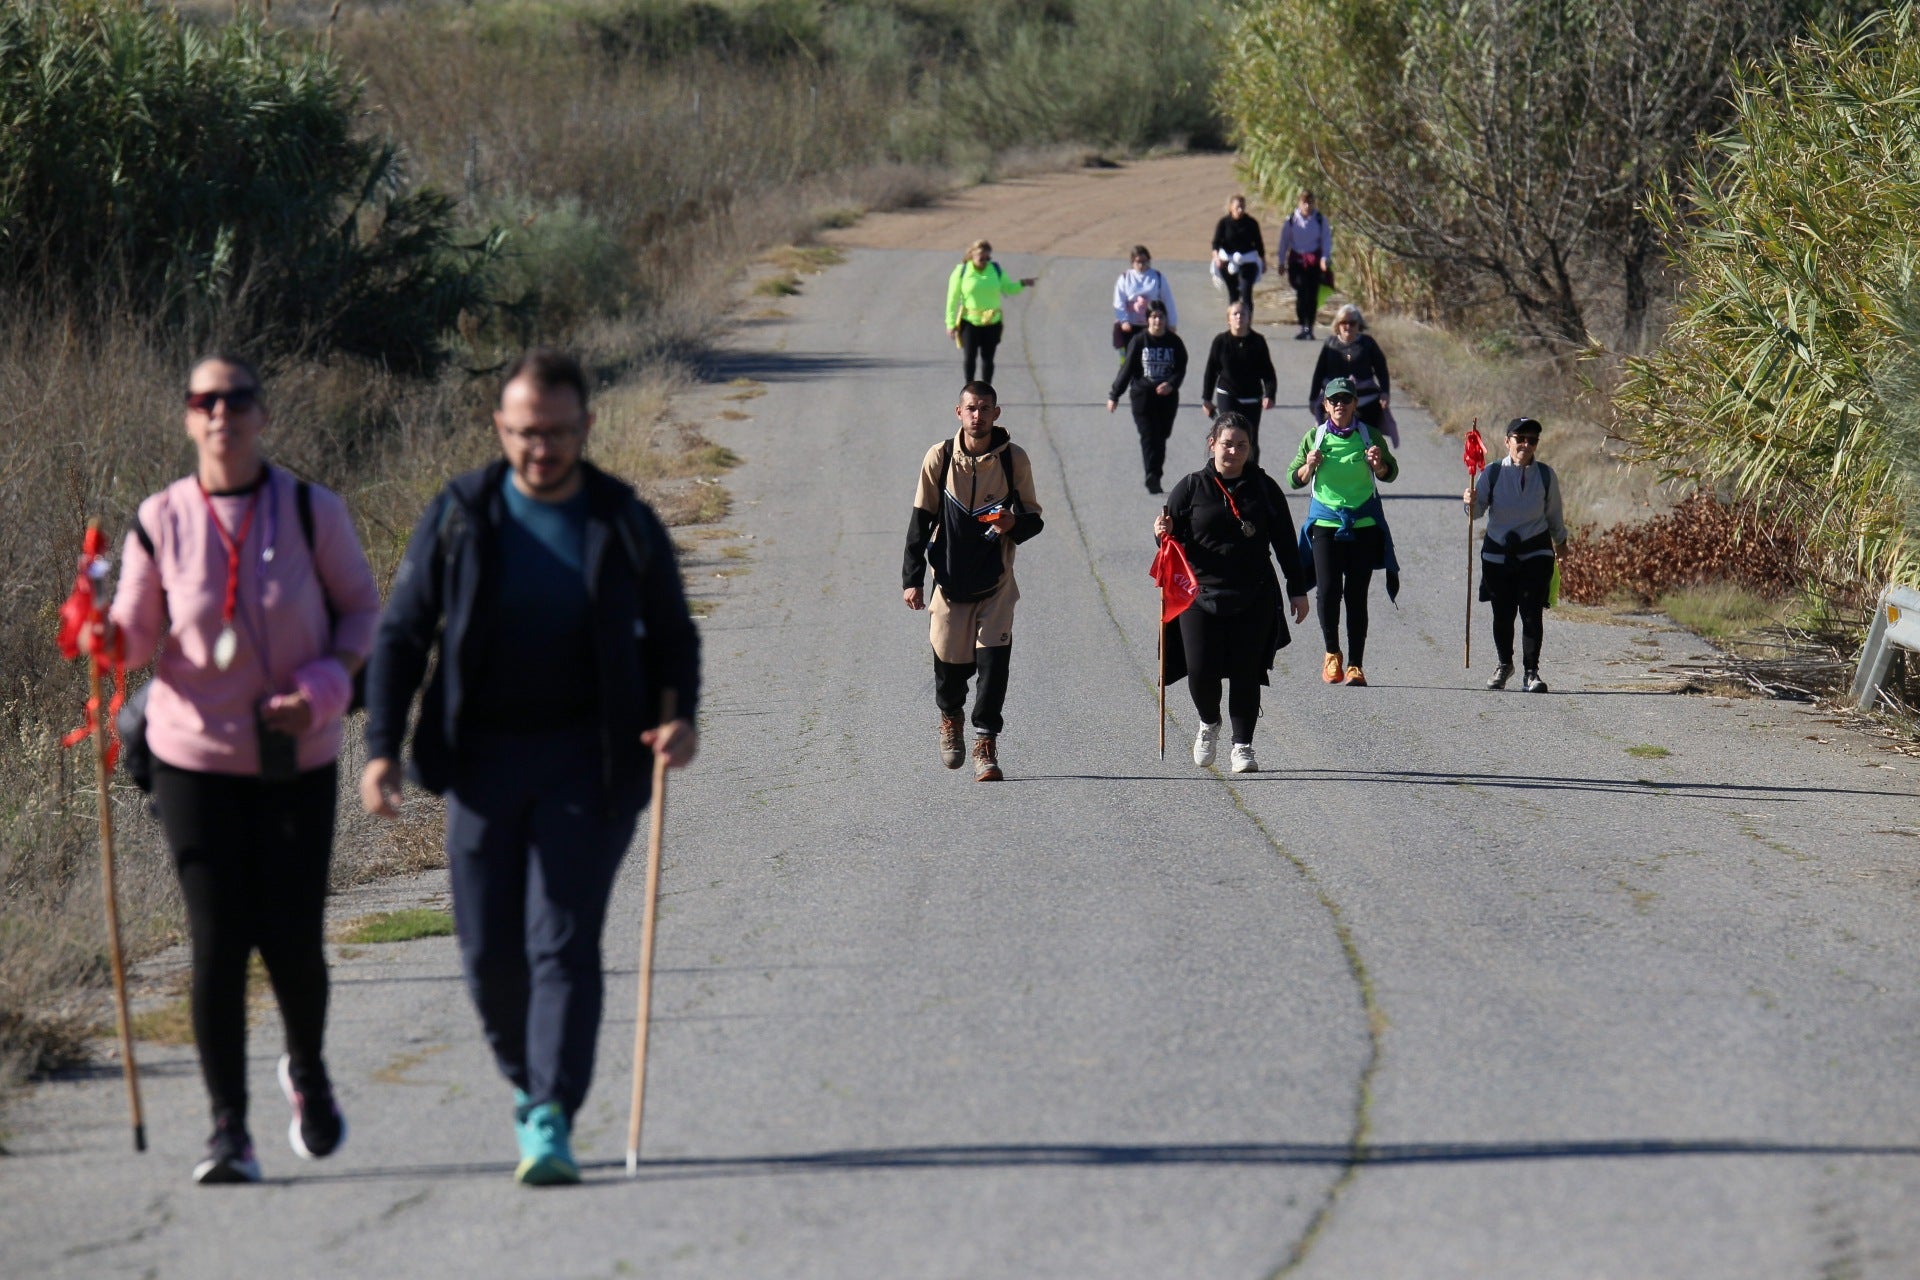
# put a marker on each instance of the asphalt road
(1456, 987)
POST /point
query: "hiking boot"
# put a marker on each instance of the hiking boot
(1356, 678)
(318, 1128)
(986, 762)
(1242, 758)
(953, 744)
(1534, 683)
(1501, 674)
(1205, 744)
(1333, 671)
(229, 1156)
(546, 1158)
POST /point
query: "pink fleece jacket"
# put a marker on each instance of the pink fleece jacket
(202, 718)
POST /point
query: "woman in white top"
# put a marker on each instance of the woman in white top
(1139, 286)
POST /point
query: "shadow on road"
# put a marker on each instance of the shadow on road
(780, 366)
(1618, 786)
(1101, 1155)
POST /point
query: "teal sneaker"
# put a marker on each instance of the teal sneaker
(546, 1160)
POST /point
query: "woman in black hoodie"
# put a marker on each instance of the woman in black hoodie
(1232, 522)
(1352, 353)
(1239, 377)
(1155, 364)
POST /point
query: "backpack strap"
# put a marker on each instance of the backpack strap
(946, 464)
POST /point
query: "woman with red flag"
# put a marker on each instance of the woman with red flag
(1232, 521)
(249, 591)
(1525, 525)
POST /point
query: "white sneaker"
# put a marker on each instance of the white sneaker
(1205, 744)
(1243, 761)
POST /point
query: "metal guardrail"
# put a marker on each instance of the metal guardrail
(1896, 625)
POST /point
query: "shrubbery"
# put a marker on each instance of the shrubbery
(1798, 242)
(216, 180)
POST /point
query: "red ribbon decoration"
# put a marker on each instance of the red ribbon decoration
(82, 611)
(1475, 453)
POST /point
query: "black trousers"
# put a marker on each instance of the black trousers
(977, 345)
(1306, 293)
(1343, 570)
(1153, 419)
(1250, 410)
(950, 686)
(532, 848)
(1230, 650)
(252, 859)
(1240, 285)
(1520, 592)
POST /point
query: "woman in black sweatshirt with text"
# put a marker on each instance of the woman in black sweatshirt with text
(1155, 364)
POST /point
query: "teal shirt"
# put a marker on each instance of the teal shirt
(1344, 479)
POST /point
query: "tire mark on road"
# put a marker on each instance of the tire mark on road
(1373, 1013)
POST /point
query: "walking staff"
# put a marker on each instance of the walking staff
(1474, 454)
(82, 615)
(551, 593)
(649, 916)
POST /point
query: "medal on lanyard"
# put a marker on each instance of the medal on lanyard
(227, 645)
(1246, 525)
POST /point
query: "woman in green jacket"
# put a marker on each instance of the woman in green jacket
(974, 291)
(1346, 529)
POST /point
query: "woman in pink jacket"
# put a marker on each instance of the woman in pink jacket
(249, 592)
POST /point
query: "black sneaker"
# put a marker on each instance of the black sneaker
(1153, 485)
(1501, 674)
(318, 1128)
(1534, 683)
(229, 1156)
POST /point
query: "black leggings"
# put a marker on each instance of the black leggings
(977, 345)
(1153, 420)
(1519, 591)
(1343, 570)
(252, 859)
(1234, 648)
(1240, 284)
(1306, 294)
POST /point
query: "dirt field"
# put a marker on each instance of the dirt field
(1168, 205)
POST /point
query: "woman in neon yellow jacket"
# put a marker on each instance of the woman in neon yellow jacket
(974, 291)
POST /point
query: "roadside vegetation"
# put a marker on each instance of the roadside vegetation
(1681, 234)
(382, 205)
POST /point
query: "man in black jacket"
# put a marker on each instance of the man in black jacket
(552, 594)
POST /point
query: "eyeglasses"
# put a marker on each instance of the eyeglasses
(551, 437)
(238, 400)
(1524, 439)
(1339, 399)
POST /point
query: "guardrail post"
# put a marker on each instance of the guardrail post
(1896, 625)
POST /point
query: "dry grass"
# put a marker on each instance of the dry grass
(1459, 381)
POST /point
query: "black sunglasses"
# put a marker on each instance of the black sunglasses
(238, 400)
(1339, 399)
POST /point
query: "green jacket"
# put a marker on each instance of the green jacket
(974, 296)
(1344, 479)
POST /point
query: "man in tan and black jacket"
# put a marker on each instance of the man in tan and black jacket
(974, 504)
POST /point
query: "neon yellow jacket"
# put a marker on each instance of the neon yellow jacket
(974, 296)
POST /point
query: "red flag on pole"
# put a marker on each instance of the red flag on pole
(1475, 453)
(81, 611)
(1175, 576)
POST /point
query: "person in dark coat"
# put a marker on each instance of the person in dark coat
(1239, 251)
(549, 593)
(1232, 521)
(1151, 373)
(1351, 353)
(1239, 376)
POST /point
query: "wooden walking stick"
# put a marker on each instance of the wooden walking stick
(82, 612)
(1160, 643)
(1474, 454)
(656, 835)
(102, 774)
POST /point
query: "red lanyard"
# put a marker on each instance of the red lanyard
(1229, 497)
(233, 545)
